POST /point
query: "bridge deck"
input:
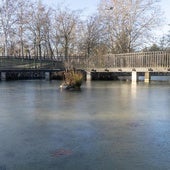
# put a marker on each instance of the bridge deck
(158, 61)
(124, 69)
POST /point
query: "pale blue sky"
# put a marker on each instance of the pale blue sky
(165, 5)
(90, 6)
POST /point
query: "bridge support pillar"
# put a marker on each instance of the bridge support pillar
(3, 76)
(147, 77)
(134, 76)
(47, 76)
(88, 76)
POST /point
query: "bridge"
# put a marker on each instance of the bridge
(146, 64)
(134, 64)
(15, 68)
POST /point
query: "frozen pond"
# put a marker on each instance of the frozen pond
(105, 126)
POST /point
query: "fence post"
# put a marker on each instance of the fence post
(147, 77)
(134, 76)
(88, 76)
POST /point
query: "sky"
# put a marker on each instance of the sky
(90, 6)
(165, 6)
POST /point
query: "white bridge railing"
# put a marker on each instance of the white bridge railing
(157, 59)
(141, 59)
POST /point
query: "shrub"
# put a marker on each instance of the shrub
(73, 78)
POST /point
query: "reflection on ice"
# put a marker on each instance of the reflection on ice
(103, 125)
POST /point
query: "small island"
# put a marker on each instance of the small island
(72, 79)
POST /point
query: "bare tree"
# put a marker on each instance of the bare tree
(8, 20)
(127, 23)
(65, 29)
(48, 49)
(38, 26)
(165, 42)
(90, 35)
(119, 26)
(21, 26)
